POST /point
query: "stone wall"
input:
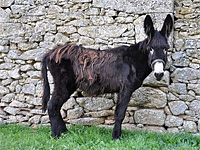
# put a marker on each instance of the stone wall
(185, 74)
(30, 28)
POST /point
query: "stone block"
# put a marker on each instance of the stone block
(167, 111)
(172, 130)
(190, 126)
(8, 98)
(36, 111)
(35, 54)
(75, 113)
(11, 110)
(3, 90)
(13, 85)
(36, 37)
(109, 122)
(47, 45)
(11, 119)
(95, 103)
(3, 74)
(87, 121)
(195, 106)
(34, 100)
(172, 97)
(67, 29)
(18, 10)
(14, 73)
(18, 104)
(150, 117)
(80, 23)
(69, 104)
(4, 15)
(150, 80)
(1, 120)
(185, 75)
(101, 20)
(2, 112)
(86, 40)
(104, 32)
(179, 88)
(3, 49)
(155, 129)
(190, 44)
(14, 54)
(45, 119)
(10, 29)
(25, 68)
(61, 39)
(177, 107)
(3, 104)
(102, 113)
(33, 75)
(44, 26)
(6, 3)
(94, 11)
(22, 119)
(130, 127)
(195, 88)
(182, 62)
(148, 97)
(173, 121)
(29, 89)
(35, 119)
(54, 9)
(189, 118)
(37, 11)
(187, 98)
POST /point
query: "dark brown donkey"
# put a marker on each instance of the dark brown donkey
(120, 70)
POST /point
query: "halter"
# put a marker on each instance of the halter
(157, 60)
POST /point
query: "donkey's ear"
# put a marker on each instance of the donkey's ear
(167, 26)
(148, 26)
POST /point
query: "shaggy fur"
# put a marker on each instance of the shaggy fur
(120, 70)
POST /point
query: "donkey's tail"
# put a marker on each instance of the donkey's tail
(46, 87)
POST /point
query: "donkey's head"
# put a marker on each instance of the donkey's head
(157, 45)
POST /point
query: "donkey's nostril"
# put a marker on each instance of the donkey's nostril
(159, 76)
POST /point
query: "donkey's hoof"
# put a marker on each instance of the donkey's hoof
(57, 134)
(116, 136)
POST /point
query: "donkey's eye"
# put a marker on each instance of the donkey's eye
(165, 51)
(151, 51)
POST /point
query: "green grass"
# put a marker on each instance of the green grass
(16, 137)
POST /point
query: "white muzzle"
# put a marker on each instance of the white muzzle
(158, 68)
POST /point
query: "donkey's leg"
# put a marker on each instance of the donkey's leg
(57, 124)
(122, 103)
(59, 97)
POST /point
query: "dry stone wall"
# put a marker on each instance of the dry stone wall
(30, 28)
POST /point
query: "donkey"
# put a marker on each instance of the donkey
(121, 69)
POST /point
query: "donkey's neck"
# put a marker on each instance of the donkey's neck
(138, 57)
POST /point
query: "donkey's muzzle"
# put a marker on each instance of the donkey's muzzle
(158, 68)
(159, 76)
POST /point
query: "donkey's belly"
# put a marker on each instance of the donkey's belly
(98, 88)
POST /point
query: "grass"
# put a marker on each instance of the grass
(16, 137)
